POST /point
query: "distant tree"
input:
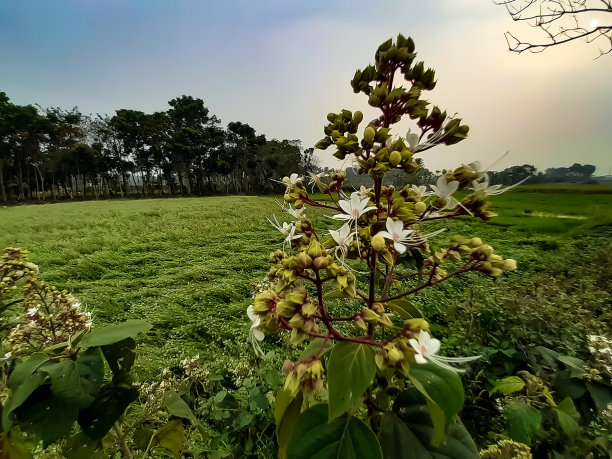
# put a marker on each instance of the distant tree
(560, 21)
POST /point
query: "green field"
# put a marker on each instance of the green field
(189, 265)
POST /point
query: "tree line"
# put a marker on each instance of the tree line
(56, 154)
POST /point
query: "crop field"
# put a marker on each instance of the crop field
(189, 265)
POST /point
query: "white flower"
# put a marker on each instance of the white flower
(343, 238)
(420, 191)
(413, 140)
(444, 191)
(298, 214)
(256, 335)
(287, 229)
(492, 190)
(396, 233)
(292, 180)
(315, 179)
(363, 191)
(426, 349)
(32, 312)
(353, 209)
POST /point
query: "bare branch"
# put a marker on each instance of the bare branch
(561, 21)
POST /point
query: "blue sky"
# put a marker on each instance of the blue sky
(281, 66)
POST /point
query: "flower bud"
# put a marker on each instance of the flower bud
(368, 134)
(378, 308)
(304, 260)
(395, 157)
(378, 243)
(416, 325)
(320, 262)
(370, 316)
(420, 207)
(509, 264)
(315, 250)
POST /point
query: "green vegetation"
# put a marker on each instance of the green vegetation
(170, 261)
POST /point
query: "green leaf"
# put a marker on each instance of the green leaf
(523, 421)
(14, 449)
(110, 403)
(350, 371)
(20, 395)
(397, 440)
(171, 437)
(574, 365)
(80, 446)
(405, 309)
(411, 407)
(568, 416)
(346, 437)
(114, 333)
(314, 346)
(77, 381)
(443, 391)
(142, 438)
(26, 368)
(566, 386)
(600, 393)
(286, 425)
(45, 416)
(176, 406)
(507, 385)
(120, 355)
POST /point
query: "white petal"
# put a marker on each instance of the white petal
(257, 334)
(345, 206)
(386, 234)
(251, 313)
(401, 248)
(415, 345)
(418, 358)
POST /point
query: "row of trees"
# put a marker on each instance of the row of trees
(64, 154)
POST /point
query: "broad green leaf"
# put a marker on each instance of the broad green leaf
(397, 440)
(346, 437)
(171, 437)
(79, 446)
(314, 346)
(566, 386)
(405, 309)
(443, 390)
(120, 355)
(411, 407)
(282, 401)
(20, 395)
(574, 365)
(110, 403)
(45, 416)
(77, 381)
(524, 421)
(114, 333)
(350, 371)
(507, 385)
(142, 438)
(176, 406)
(26, 368)
(568, 417)
(286, 425)
(600, 393)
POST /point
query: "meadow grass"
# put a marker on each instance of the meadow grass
(189, 265)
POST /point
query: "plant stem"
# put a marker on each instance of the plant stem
(122, 443)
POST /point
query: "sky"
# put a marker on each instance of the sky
(282, 65)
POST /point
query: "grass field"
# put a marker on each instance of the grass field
(189, 265)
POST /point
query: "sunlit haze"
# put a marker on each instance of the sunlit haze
(281, 66)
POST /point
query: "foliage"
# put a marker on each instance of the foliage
(361, 356)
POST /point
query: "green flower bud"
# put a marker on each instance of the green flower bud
(368, 134)
(378, 243)
(370, 316)
(395, 157)
(420, 207)
(320, 262)
(378, 308)
(416, 325)
(315, 250)
(509, 264)
(304, 260)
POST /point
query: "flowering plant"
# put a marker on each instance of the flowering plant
(371, 377)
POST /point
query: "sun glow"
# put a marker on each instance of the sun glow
(593, 24)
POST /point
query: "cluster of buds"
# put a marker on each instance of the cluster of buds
(507, 449)
(299, 311)
(15, 267)
(332, 185)
(151, 395)
(307, 376)
(50, 317)
(482, 256)
(398, 354)
(600, 363)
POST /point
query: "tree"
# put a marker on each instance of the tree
(561, 21)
